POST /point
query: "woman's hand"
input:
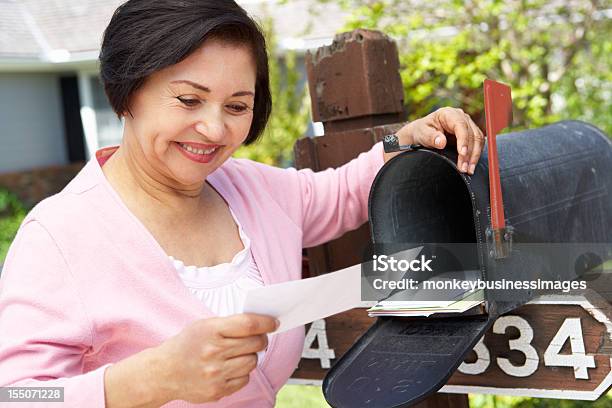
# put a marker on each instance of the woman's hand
(212, 358)
(430, 132)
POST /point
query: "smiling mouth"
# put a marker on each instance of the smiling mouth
(194, 150)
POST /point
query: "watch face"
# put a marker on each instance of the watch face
(391, 143)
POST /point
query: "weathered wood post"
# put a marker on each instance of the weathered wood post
(356, 92)
(554, 347)
(354, 87)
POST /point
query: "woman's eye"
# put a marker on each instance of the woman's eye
(237, 108)
(188, 101)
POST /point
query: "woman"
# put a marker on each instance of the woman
(95, 296)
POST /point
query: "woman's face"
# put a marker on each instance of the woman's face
(190, 117)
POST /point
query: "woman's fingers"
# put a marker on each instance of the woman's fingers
(457, 122)
(238, 370)
(429, 132)
(245, 324)
(234, 384)
(240, 366)
(478, 145)
(429, 136)
(245, 345)
(465, 166)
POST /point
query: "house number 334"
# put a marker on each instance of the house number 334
(570, 329)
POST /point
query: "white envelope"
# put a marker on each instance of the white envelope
(303, 301)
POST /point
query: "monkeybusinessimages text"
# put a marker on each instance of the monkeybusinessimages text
(384, 263)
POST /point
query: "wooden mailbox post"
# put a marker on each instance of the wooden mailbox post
(556, 347)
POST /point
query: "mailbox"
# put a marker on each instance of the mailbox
(557, 188)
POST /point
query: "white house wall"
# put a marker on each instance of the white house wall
(31, 122)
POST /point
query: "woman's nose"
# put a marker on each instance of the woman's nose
(212, 126)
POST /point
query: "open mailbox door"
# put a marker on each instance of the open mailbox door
(554, 222)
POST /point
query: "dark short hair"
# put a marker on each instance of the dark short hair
(145, 36)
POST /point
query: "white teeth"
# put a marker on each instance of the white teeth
(197, 151)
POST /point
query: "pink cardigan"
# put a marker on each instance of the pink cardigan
(85, 284)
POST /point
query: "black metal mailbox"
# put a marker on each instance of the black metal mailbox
(557, 186)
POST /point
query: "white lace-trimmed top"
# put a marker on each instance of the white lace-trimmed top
(222, 288)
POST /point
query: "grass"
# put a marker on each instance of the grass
(300, 396)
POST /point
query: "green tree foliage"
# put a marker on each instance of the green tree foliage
(12, 213)
(290, 108)
(556, 55)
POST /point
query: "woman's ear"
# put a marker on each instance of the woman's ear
(125, 113)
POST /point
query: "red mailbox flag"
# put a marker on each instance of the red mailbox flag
(498, 113)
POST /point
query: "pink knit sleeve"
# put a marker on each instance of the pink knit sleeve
(328, 203)
(44, 331)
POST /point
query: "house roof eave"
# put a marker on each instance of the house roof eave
(34, 65)
(55, 61)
